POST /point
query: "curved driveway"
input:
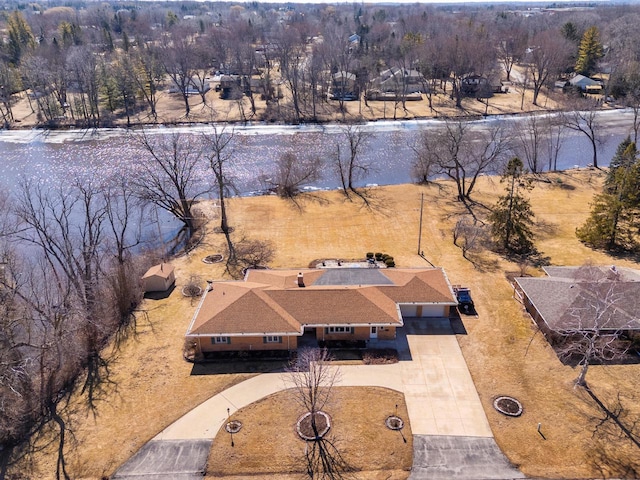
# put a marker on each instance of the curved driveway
(448, 422)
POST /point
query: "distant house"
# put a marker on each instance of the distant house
(273, 309)
(482, 87)
(159, 278)
(343, 86)
(565, 300)
(194, 87)
(585, 84)
(399, 82)
(354, 39)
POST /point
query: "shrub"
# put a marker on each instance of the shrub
(385, 256)
(390, 263)
(369, 254)
(378, 256)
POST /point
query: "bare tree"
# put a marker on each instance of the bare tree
(511, 38)
(254, 253)
(312, 380)
(529, 138)
(583, 118)
(180, 63)
(469, 235)
(461, 154)
(548, 54)
(219, 146)
(554, 139)
(171, 175)
(352, 166)
(149, 74)
(595, 320)
(292, 173)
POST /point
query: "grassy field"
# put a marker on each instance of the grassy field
(170, 108)
(504, 353)
(358, 429)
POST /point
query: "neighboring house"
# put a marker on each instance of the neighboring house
(585, 84)
(231, 87)
(481, 86)
(608, 300)
(354, 39)
(399, 82)
(195, 86)
(343, 86)
(272, 309)
(159, 278)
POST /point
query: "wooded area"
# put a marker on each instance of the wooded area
(90, 64)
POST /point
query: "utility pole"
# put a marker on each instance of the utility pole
(420, 227)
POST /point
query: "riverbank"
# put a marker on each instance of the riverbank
(171, 110)
(505, 355)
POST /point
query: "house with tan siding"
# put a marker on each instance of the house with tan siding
(273, 309)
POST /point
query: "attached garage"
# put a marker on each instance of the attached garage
(424, 311)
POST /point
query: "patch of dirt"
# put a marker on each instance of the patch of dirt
(508, 406)
(305, 429)
(214, 258)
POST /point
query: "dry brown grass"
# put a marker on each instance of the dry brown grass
(170, 108)
(502, 349)
(268, 445)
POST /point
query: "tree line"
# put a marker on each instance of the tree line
(98, 63)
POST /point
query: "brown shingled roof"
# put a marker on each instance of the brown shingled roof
(338, 306)
(424, 286)
(270, 301)
(241, 308)
(162, 270)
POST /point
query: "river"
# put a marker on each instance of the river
(54, 156)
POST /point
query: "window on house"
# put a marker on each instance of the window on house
(272, 339)
(340, 330)
(215, 340)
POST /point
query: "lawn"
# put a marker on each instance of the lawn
(269, 446)
(504, 353)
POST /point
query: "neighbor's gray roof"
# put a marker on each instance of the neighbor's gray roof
(567, 302)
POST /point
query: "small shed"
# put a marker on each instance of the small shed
(159, 278)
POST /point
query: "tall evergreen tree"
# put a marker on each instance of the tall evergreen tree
(20, 37)
(624, 157)
(512, 217)
(589, 52)
(615, 214)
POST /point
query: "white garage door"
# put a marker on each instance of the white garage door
(422, 310)
(432, 311)
(408, 310)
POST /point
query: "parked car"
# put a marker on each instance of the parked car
(465, 302)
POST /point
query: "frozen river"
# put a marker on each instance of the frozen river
(54, 156)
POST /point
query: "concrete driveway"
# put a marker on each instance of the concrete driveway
(452, 437)
(167, 460)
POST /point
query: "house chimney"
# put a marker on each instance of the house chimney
(300, 280)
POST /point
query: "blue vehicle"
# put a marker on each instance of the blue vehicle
(465, 302)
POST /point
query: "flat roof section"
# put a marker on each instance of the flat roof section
(353, 276)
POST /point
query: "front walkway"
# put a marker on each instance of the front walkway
(441, 398)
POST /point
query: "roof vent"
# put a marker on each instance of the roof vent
(209, 285)
(300, 280)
